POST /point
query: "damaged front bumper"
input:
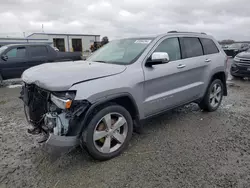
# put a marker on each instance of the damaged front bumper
(62, 141)
(60, 127)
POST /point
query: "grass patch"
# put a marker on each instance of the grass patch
(3, 102)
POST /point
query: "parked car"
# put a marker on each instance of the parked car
(16, 58)
(224, 46)
(233, 49)
(241, 65)
(98, 103)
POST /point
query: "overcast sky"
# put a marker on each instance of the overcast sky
(122, 18)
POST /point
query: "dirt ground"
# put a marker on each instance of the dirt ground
(183, 148)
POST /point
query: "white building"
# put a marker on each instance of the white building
(64, 42)
(67, 42)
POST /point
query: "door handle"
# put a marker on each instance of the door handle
(207, 60)
(180, 66)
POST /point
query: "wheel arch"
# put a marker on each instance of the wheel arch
(223, 77)
(123, 99)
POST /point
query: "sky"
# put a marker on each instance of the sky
(224, 19)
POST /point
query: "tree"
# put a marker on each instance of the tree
(228, 41)
(105, 40)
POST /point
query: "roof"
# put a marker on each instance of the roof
(62, 34)
(174, 33)
(24, 39)
(26, 44)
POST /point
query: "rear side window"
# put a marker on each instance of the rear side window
(18, 52)
(172, 47)
(38, 51)
(209, 46)
(191, 47)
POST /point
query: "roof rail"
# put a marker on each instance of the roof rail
(186, 32)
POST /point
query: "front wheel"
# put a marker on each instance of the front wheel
(108, 132)
(213, 96)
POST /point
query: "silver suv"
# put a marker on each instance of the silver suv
(98, 103)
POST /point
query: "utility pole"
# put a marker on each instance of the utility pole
(24, 34)
(42, 28)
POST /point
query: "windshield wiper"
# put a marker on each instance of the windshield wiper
(101, 61)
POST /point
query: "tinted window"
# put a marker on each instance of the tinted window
(172, 47)
(191, 47)
(37, 51)
(16, 52)
(209, 46)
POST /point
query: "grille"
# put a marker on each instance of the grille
(36, 100)
(244, 62)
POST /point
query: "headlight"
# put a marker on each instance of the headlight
(236, 59)
(61, 103)
(63, 100)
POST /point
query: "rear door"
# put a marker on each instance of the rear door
(38, 54)
(15, 64)
(197, 67)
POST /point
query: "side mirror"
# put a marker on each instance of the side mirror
(157, 58)
(4, 57)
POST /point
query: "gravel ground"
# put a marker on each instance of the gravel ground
(183, 148)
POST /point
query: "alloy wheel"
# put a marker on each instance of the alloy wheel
(215, 95)
(110, 133)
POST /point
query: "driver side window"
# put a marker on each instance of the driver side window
(172, 47)
(18, 52)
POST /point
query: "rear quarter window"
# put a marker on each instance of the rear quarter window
(209, 46)
(38, 51)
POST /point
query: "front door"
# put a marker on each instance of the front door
(15, 62)
(173, 83)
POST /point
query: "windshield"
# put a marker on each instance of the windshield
(124, 51)
(2, 49)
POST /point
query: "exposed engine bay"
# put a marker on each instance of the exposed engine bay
(52, 113)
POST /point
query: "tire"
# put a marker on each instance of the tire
(97, 146)
(211, 100)
(1, 79)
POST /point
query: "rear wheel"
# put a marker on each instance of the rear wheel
(108, 132)
(213, 96)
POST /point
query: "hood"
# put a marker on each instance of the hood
(245, 54)
(61, 76)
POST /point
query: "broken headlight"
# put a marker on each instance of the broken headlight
(63, 100)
